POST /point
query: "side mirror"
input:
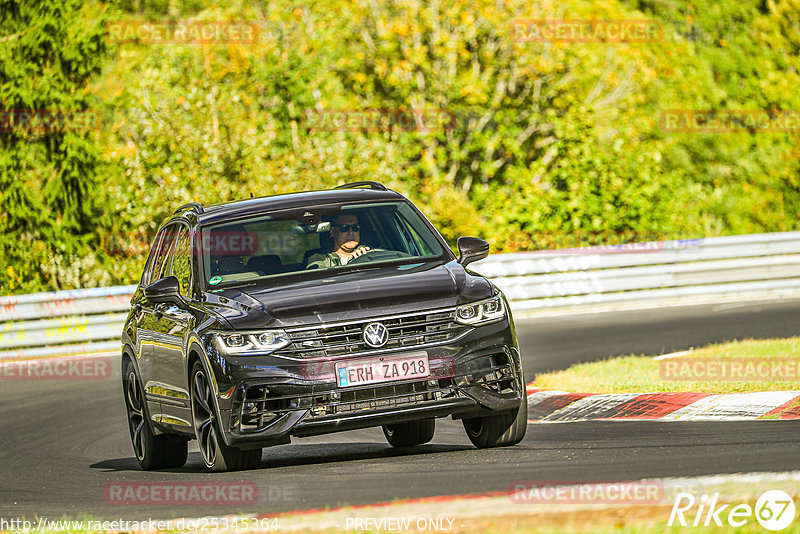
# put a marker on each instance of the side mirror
(471, 249)
(166, 290)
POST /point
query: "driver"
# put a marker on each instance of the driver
(346, 233)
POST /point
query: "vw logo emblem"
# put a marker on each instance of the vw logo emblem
(376, 335)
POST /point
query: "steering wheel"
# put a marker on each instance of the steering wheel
(377, 254)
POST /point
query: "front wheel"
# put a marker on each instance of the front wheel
(501, 430)
(410, 434)
(152, 452)
(216, 454)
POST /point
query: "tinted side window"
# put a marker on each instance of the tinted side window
(162, 264)
(182, 261)
(421, 236)
(412, 237)
(152, 259)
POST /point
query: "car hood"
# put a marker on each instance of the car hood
(350, 295)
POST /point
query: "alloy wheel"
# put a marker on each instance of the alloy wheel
(135, 405)
(203, 418)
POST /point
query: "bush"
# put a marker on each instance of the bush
(545, 144)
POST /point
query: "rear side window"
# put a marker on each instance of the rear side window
(182, 261)
(147, 276)
(160, 263)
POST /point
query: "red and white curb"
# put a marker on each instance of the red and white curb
(563, 407)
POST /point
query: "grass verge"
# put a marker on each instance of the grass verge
(737, 367)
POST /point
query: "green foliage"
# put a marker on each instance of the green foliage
(49, 50)
(734, 56)
(597, 194)
(549, 144)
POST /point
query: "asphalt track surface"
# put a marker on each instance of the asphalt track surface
(62, 442)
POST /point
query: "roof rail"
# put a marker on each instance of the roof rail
(194, 206)
(367, 183)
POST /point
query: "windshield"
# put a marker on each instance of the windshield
(343, 238)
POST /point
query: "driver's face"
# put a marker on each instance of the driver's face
(345, 238)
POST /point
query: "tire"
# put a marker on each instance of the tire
(217, 456)
(410, 434)
(501, 430)
(152, 452)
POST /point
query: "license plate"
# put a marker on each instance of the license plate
(386, 369)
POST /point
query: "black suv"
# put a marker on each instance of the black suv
(248, 327)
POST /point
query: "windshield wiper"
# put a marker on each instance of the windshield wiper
(356, 268)
(234, 285)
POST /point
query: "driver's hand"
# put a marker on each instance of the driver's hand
(359, 251)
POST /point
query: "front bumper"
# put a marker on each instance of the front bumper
(479, 375)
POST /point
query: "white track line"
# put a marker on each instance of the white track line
(674, 354)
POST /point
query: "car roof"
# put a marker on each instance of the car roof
(286, 202)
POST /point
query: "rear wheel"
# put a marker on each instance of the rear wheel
(410, 434)
(152, 452)
(216, 454)
(501, 430)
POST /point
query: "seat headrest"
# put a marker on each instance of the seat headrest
(266, 264)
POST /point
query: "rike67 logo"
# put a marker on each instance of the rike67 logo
(774, 510)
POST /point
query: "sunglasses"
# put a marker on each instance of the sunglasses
(348, 227)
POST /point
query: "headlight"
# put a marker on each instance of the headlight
(484, 311)
(251, 343)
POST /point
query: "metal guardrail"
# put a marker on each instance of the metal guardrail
(736, 266)
(63, 322)
(65, 303)
(90, 320)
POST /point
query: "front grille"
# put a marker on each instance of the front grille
(260, 407)
(346, 339)
(382, 397)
